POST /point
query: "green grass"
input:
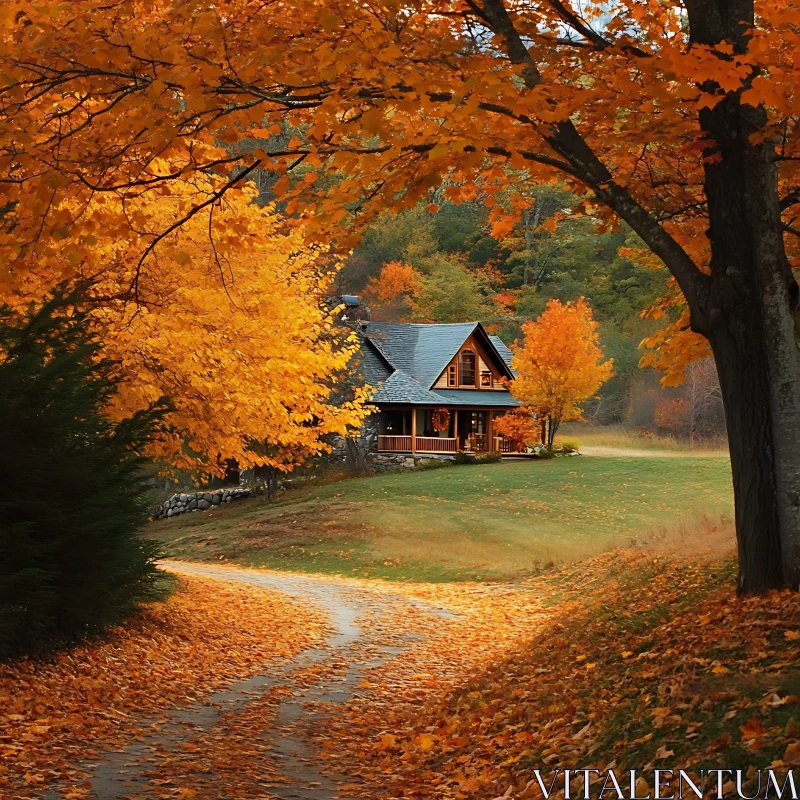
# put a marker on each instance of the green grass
(494, 521)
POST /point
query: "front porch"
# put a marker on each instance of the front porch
(439, 431)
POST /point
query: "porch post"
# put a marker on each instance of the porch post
(413, 430)
(455, 428)
(490, 431)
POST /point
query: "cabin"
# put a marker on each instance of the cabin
(438, 388)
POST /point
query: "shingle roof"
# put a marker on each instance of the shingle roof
(372, 366)
(503, 351)
(422, 351)
(400, 387)
(472, 397)
(404, 361)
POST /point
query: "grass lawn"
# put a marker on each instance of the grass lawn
(493, 521)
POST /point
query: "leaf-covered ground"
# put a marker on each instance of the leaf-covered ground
(55, 715)
(626, 661)
(426, 690)
(493, 521)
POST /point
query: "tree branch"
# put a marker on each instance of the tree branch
(565, 139)
(184, 219)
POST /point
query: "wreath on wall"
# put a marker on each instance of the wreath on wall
(441, 420)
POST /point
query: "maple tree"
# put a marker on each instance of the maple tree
(559, 365)
(518, 426)
(227, 320)
(678, 118)
(672, 414)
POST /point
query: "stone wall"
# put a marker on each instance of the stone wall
(196, 501)
(383, 462)
(365, 442)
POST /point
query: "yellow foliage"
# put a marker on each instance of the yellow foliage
(225, 317)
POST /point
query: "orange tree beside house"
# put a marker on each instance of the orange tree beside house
(559, 365)
(391, 292)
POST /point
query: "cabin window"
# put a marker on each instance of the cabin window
(467, 368)
(486, 378)
(452, 377)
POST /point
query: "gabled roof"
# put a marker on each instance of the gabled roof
(424, 351)
(404, 360)
(504, 352)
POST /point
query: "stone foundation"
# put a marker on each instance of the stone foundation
(383, 462)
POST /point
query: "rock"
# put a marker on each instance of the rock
(181, 502)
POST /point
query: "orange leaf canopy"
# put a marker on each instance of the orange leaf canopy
(389, 99)
(560, 363)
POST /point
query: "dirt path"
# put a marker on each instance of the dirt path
(285, 708)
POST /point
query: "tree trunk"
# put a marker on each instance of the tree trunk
(779, 295)
(744, 379)
(356, 457)
(552, 429)
(747, 315)
(746, 306)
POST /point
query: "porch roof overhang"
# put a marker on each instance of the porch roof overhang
(476, 397)
(453, 398)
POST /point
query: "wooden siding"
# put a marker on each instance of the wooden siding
(483, 363)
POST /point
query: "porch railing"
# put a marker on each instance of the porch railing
(398, 444)
(425, 444)
(502, 445)
(437, 444)
(474, 443)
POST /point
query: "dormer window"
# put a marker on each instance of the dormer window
(452, 375)
(466, 368)
(486, 378)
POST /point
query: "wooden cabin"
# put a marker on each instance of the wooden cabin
(438, 388)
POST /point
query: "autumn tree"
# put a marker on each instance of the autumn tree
(518, 427)
(227, 318)
(391, 292)
(559, 365)
(678, 118)
(448, 292)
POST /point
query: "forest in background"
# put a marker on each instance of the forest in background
(441, 263)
